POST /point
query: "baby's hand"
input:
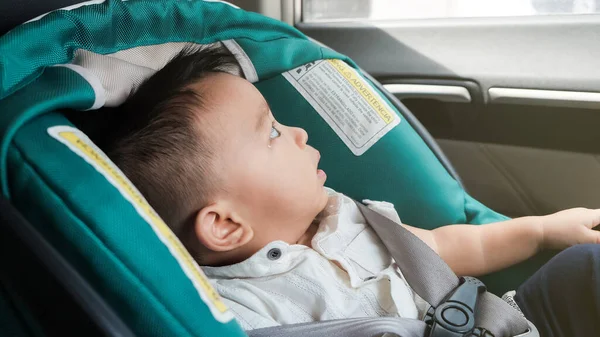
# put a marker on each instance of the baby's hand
(570, 227)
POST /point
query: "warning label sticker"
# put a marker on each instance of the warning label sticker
(346, 101)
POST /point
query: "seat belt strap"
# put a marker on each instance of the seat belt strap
(352, 327)
(432, 279)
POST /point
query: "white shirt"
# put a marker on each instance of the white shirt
(287, 284)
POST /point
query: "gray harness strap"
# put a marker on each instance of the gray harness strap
(428, 275)
(433, 280)
(353, 327)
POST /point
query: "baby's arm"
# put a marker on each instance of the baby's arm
(478, 250)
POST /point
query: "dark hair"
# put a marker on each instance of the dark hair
(158, 141)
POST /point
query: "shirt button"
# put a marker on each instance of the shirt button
(274, 254)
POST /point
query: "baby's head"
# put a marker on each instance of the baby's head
(204, 148)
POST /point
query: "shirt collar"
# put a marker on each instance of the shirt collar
(271, 259)
(278, 256)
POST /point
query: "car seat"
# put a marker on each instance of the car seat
(88, 227)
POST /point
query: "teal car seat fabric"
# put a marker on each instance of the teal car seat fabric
(91, 55)
(10, 320)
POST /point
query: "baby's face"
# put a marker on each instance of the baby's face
(270, 173)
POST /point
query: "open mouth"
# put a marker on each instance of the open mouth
(320, 173)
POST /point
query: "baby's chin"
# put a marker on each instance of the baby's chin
(324, 200)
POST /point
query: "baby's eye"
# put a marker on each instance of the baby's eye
(274, 133)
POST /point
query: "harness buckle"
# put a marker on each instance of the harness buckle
(455, 317)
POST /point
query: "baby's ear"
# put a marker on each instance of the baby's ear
(218, 232)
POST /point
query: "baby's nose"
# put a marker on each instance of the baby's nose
(301, 136)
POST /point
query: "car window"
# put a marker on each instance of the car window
(378, 10)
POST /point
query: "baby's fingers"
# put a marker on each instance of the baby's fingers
(595, 218)
(594, 236)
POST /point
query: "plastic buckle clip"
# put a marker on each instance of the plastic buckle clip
(455, 317)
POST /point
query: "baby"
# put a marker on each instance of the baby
(245, 196)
